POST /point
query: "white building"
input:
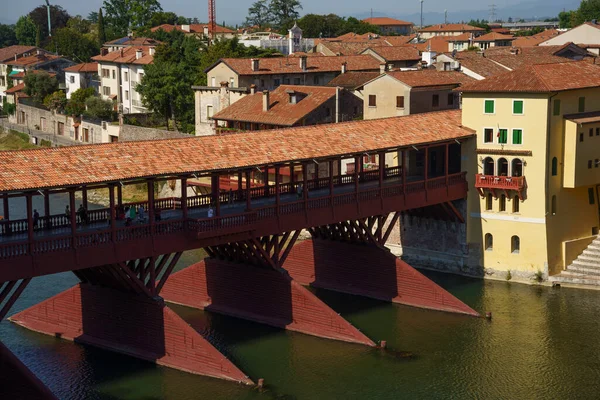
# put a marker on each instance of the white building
(81, 76)
(586, 35)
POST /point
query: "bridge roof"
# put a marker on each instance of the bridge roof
(112, 162)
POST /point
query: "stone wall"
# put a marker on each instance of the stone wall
(130, 133)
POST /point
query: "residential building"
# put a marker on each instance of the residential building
(534, 171)
(353, 81)
(449, 30)
(289, 106)
(459, 43)
(470, 63)
(400, 93)
(391, 26)
(82, 76)
(492, 39)
(120, 72)
(290, 44)
(534, 40)
(395, 57)
(201, 31)
(522, 26)
(126, 42)
(209, 100)
(586, 35)
(12, 53)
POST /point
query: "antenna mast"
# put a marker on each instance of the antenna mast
(49, 26)
(212, 18)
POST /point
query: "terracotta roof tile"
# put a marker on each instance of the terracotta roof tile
(439, 44)
(480, 65)
(85, 67)
(384, 21)
(8, 53)
(16, 88)
(32, 61)
(280, 65)
(492, 37)
(430, 77)
(452, 28)
(131, 41)
(281, 111)
(397, 53)
(75, 165)
(463, 37)
(540, 78)
(514, 57)
(353, 79)
(127, 56)
(354, 37)
(398, 40)
(347, 48)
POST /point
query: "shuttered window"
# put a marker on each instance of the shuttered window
(518, 107)
(503, 136)
(399, 101)
(489, 106)
(372, 100)
(517, 136)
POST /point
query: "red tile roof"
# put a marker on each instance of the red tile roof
(493, 37)
(353, 79)
(194, 28)
(439, 44)
(281, 111)
(354, 37)
(8, 53)
(131, 41)
(347, 48)
(16, 88)
(127, 56)
(540, 78)
(32, 61)
(452, 28)
(430, 77)
(479, 64)
(113, 162)
(514, 57)
(85, 67)
(283, 65)
(463, 37)
(384, 21)
(396, 53)
(398, 40)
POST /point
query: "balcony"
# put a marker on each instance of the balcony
(504, 183)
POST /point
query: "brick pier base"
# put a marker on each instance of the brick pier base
(367, 271)
(129, 324)
(258, 294)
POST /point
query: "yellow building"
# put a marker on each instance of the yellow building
(534, 176)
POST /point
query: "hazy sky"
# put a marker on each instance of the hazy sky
(235, 10)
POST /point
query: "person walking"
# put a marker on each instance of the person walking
(80, 213)
(211, 213)
(36, 219)
(299, 190)
(141, 214)
(68, 213)
(230, 198)
(132, 213)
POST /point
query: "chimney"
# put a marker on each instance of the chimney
(38, 52)
(152, 51)
(15, 56)
(266, 104)
(205, 31)
(103, 51)
(138, 54)
(185, 28)
(292, 96)
(337, 104)
(382, 68)
(344, 67)
(255, 64)
(252, 89)
(303, 63)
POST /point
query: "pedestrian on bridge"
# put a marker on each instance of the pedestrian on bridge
(68, 213)
(300, 190)
(141, 217)
(230, 198)
(211, 213)
(132, 213)
(36, 218)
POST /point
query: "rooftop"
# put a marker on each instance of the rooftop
(15, 89)
(540, 78)
(385, 21)
(584, 118)
(193, 28)
(396, 53)
(439, 44)
(33, 61)
(8, 53)
(284, 65)
(493, 37)
(430, 77)
(515, 57)
(84, 67)
(131, 41)
(127, 55)
(114, 162)
(452, 28)
(348, 48)
(281, 111)
(353, 79)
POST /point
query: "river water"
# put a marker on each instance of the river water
(542, 343)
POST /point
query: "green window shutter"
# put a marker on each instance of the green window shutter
(556, 107)
(591, 196)
(489, 106)
(518, 107)
(503, 136)
(517, 136)
(581, 104)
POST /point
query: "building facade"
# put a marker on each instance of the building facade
(391, 26)
(82, 76)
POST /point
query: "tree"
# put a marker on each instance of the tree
(101, 32)
(79, 24)
(565, 18)
(284, 12)
(185, 21)
(588, 11)
(93, 17)
(58, 18)
(259, 14)
(76, 104)
(122, 15)
(40, 85)
(7, 35)
(161, 17)
(73, 44)
(25, 31)
(100, 109)
(56, 101)
(38, 37)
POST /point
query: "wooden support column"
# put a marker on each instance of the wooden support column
(305, 181)
(266, 180)
(331, 178)
(277, 188)
(84, 199)
(120, 195)
(240, 188)
(6, 214)
(150, 184)
(356, 175)
(29, 206)
(73, 214)
(426, 170)
(316, 176)
(447, 164)
(48, 224)
(248, 194)
(404, 168)
(112, 215)
(215, 190)
(381, 168)
(339, 163)
(184, 206)
(292, 178)
(361, 171)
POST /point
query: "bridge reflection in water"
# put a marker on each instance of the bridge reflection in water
(124, 270)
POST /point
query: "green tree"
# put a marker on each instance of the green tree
(58, 18)
(79, 24)
(7, 35)
(161, 17)
(480, 24)
(101, 32)
(259, 14)
(25, 31)
(93, 17)
(73, 44)
(185, 21)
(56, 101)
(565, 18)
(40, 85)
(100, 109)
(284, 12)
(76, 104)
(122, 15)
(359, 27)
(588, 10)
(38, 37)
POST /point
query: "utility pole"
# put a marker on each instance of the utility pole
(445, 17)
(492, 16)
(49, 26)
(421, 13)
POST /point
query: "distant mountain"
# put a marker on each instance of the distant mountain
(525, 10)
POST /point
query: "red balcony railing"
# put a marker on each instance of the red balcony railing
(505, 183)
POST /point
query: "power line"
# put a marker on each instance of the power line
(492, 16)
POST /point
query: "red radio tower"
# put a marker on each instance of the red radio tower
(212, 18)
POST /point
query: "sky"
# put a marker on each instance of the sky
(234, 11)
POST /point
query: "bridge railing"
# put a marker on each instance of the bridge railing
(106, 235)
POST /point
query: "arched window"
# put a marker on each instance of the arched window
(554, 205)
(488, 166)
(489, 242)
(515, 244)
(554, 166)
(517, 167)
(516, 204)
(502, 203)
(489, 202)
(502, 167)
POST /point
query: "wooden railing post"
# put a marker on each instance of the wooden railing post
(47, 218)
(112, 212)
(331, 180)
(426, 170)
(404, 168)
(184, 206)
(277, 189)
(216, 193)
(248, 193)
(266, 180)
(6, 215)
(292, 178)
(73, 216)
(447, 162)
(305, 183)
(150, 183)
(240, 188)
(29, 206)
(120, 195)
(381, 173)
(84, 197)
(316, 175)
